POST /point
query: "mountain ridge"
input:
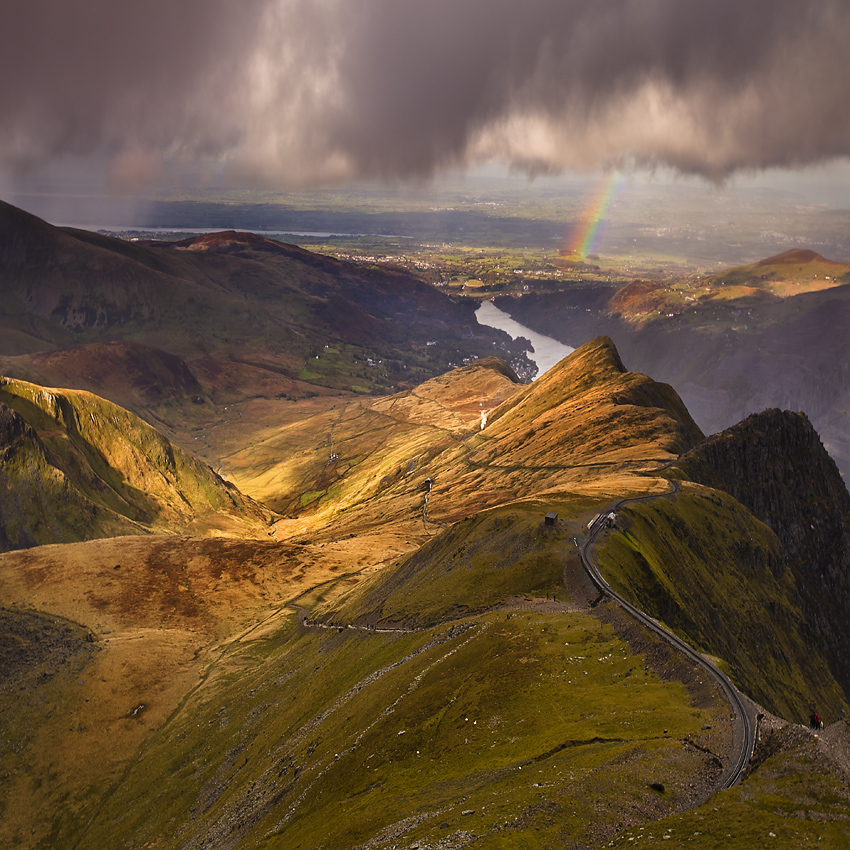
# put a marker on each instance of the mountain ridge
(71, 448)
(729, 358)
(242, 311)
(412, 654)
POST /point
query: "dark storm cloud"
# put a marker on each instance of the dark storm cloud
(138, 79)
(313, 89)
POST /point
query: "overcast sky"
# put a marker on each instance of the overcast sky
(283, 92)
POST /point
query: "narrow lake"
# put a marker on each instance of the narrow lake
(546, 351)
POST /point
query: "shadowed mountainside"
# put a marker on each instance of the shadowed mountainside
(248, 315)
(774, 463)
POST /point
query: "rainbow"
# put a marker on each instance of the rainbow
(584, 238)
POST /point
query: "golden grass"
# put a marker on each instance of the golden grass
(183, 622)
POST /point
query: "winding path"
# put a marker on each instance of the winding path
(744, 727)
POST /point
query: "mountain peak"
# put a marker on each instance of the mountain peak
(228, 241)
(590, 403)
(774, 463)
(601, 355)
(796, 256)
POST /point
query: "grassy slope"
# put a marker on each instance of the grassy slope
(383, 445)
(291, 737)
(95, 469)
(40, 503)
(515, 729)
(586, 427)
(795, 798)
(474, 565)
(324, 736)
(160, 609)
(706, 567)
(420, 736)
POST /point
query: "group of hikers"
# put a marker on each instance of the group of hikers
(814, 721)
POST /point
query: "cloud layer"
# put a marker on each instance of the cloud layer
(298, 90)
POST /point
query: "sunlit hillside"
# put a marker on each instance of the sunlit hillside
(413, 654)
(77, 467)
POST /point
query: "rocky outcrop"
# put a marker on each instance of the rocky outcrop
(12, 426)
(775, 464)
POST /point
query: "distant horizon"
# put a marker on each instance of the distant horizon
(827, 184)
(742, 221)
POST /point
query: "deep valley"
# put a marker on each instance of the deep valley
(292, 558)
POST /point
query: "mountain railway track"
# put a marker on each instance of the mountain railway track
(744, 727)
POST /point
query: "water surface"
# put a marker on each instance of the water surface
(546, 351)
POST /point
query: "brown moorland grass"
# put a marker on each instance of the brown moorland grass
(364, 463)
(160, 611)
(215, 714)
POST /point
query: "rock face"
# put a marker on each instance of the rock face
(12, 425)
(775, 464)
